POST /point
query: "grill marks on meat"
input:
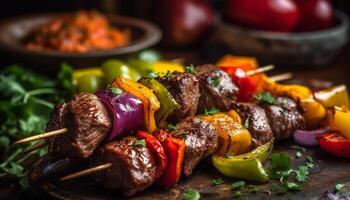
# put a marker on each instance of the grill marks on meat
(256, 119)
(184, 87)
(133, 167)
(284, 117)
(87, 122)
(201, 141)
(216, 88)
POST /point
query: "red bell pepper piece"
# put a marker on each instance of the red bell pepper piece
(175, 150)
(154, 144)
(335, 143)
(247, 85)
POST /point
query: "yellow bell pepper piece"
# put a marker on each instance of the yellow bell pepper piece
(149, 100)
(233, 137)
(339, 119)
(334, 96)
(246, 166)
(237, 61)
(163, 66)
(314, 111)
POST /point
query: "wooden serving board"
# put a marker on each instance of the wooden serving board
(327, 172)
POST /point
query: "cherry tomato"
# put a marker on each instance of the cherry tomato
(314, 15)
(271, 15)
(335, 143)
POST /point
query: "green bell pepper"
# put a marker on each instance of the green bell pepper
(141, 66)
(246, 166)
(112, 68)
(167, 101)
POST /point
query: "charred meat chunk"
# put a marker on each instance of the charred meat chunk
(201, 141)
(255, 120)
(284, 117)
(133, 166)
(216, 88)
(184, 87)
(47, 168)
(88, 124)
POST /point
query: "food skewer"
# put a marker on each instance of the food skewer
(33, 148)
(87, 171)
(64, 130)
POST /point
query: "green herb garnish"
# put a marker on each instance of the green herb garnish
(191, 194)
(298, 154)
(168, 75)
(253, 188)
(211, 111)
(189, 68)
(338, 187)
(290, 186)
(265, 97)
(213, 81)
(116, 91)
(237, 194)
(140, 143)
(238, 185)
(181, 134)
(217, 181)
(172, 127)
(246, 123)
(152, 74)
(279, 163)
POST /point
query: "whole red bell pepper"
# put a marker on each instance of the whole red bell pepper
(175, 150)
(335, 143)
(154, 144)
(247, 84)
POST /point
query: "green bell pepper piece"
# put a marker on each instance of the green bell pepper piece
(141, 66)
(112, 68)
(246, 166)
(167, 101)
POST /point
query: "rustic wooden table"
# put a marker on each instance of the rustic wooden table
(326, 174)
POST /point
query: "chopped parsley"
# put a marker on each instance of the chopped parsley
(217, 181)
(280, 164)
(237, 194)
(290, 186)
(168, 75)
(253, 188)
(189, 68)
(239, 185)
(152, 74)
(181, 134)
(172, 127)
(191, 194)
(116, 90)
(265, 97)
(211, 111)
(213, 81)
(246, 123)
(140, 143)
(298, 154)
(338, 187)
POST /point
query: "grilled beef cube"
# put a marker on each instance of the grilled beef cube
(184, 87)
(47, 168)
(216, 88)
(133, 167)
(201, 141)
(254, 117)
(88, 124)
(284, 117)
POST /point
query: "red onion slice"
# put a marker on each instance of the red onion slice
(127, 112)
(309, 137)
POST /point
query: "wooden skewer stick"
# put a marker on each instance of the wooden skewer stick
(281, 77)
(33, 148)
(260, 70)
(42, 136)
(87, 171)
